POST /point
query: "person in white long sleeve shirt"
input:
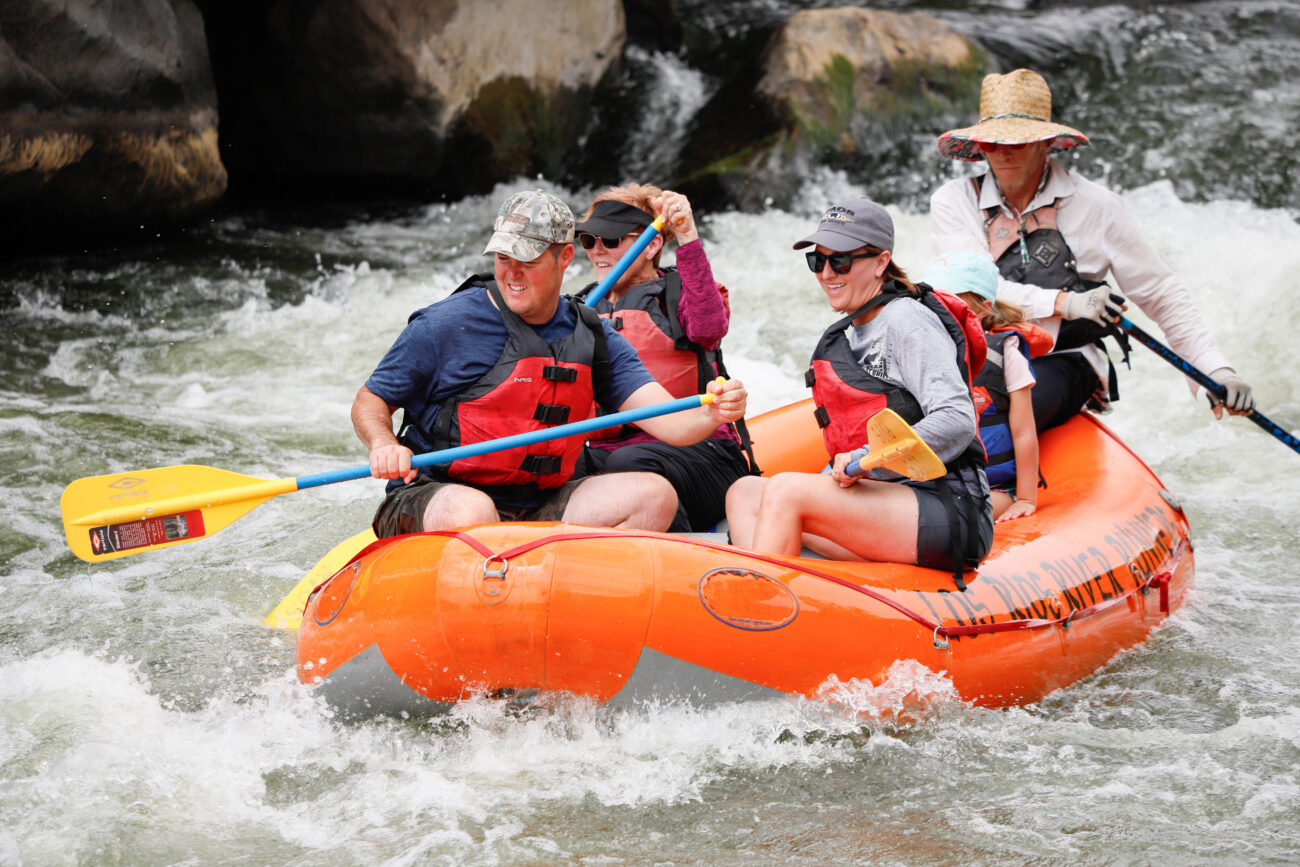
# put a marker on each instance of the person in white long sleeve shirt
(1055, 237)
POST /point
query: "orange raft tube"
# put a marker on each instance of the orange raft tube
(414, 622)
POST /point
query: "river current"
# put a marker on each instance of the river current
(148, 717)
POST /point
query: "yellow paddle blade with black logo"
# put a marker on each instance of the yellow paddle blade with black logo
(895, 446)
(127, 513)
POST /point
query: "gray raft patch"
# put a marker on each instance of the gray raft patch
(663, 678)
(366, 686)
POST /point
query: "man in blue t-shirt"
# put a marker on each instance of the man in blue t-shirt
(466, 370)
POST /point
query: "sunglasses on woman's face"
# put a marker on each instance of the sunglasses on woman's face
(588, 240)
(841, 263)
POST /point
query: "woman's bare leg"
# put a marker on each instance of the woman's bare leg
(742, 509)
(869, 520)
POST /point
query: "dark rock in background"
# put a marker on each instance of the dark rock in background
(108, 115)
(442, 97)
(110, 109)
(831, 86)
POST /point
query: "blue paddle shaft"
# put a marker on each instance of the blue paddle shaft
(446, 456)
(603, 287)
(1216, 388)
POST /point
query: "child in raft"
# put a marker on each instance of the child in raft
(1002, 389)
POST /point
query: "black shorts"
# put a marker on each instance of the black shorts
(1063, 383)
(402, 511)
(699, 473)
(934, 534)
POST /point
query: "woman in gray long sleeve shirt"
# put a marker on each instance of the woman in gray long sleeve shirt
(891, 350)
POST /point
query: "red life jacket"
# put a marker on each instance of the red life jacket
(533, 385)
(646, 316)
(847, 396)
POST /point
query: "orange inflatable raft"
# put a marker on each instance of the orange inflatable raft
(414, 622)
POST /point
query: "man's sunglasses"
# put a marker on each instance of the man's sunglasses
(841, 263)
(588, 240)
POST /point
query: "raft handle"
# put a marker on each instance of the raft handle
(498, 574)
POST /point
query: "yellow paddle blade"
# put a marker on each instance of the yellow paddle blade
(288, 614)
(127, 513)
(895, 446)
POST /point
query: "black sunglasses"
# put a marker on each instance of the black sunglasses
(841, 263)
(588, 240)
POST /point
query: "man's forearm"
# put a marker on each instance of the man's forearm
(372, 419)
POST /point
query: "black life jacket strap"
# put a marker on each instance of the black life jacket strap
(476, 280)
(601, 372)
(541, 465)
(955, 521)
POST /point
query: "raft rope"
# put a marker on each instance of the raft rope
(939, 633)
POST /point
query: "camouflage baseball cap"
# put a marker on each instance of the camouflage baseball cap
(528, 223)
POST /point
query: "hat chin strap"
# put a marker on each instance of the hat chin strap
(1015, 115)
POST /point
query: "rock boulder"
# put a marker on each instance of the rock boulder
(108, 113)
(835, 85)
(445, 94)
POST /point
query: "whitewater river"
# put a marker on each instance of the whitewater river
(147, 717)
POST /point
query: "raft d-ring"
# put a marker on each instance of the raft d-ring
(940, 641)
(495, 574)
(1065, 624)
(499, 574)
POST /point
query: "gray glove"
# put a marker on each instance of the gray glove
(1102, 305)
(1238, 398)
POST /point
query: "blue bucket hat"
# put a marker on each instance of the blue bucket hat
(964, 271)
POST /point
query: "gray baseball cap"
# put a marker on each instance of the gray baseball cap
(528, 223)
(852, 224)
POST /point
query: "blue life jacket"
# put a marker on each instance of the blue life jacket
(993, 403)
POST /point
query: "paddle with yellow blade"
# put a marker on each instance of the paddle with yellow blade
(895, 446)
(128, 513)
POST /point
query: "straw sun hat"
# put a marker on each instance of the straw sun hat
(1015, 108)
